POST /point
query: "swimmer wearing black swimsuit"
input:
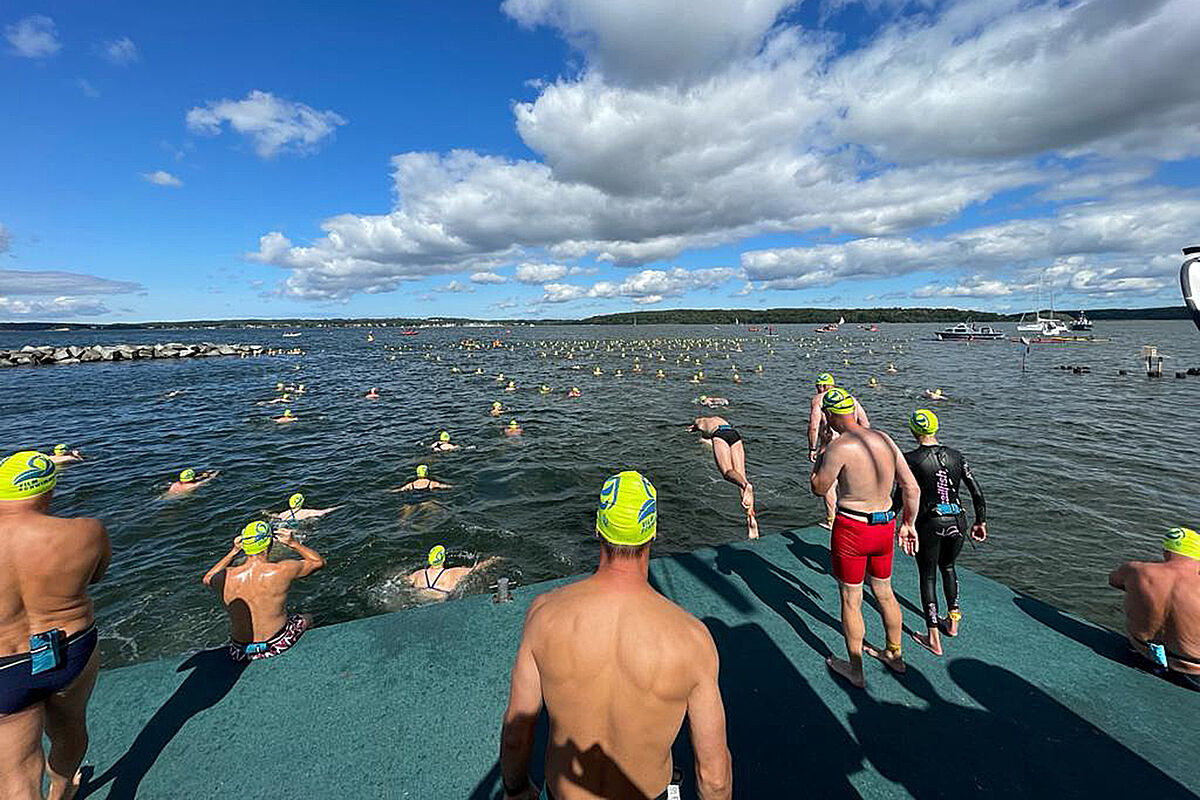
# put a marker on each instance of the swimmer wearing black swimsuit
(433, 584)
(726, 433)
(941, 520)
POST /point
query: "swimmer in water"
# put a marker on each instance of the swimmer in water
(544, 389)
(288, 417)
(511, 387)
(189, 481)
(712, 402)
(941, 523)
(820, 434)
(437, 581)
(296, 512)
(891, 368)
(574, 392)
(513, 429)
(443, 444)
(497, 409)
(730, 456)
(373, 394)
(935, 394)
(63, 455)
(660, 374)
(873, 382)
(421, 482)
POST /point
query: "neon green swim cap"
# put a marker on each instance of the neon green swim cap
(628, 510)
(437, 556)
(824, 379)
(1184, 541)
(444, 436)
(60, 449)
(287, 412)
(497, 404)
(187, 476)
(256, 537)
(838, 401)
(26, 474)
(923, 422)
(295, 501)
(422, 470)
(512, 423)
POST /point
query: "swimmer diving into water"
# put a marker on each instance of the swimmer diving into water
(189, 481)
(730, 456)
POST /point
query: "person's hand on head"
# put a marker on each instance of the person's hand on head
(237, 541)
(284, 536)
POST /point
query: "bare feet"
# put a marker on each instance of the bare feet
(949, 625)
(847, 671)
(748, 496)
(926, 641)
(751, 526)
(894, 661)
(827, 524)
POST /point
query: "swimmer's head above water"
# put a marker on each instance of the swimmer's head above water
(422, 471)
(295, 501)
(26, 474)
(256, 537)
(437, 556)
(187, 476)
(627, 515)
(1184, 541)
(824, 381)
(61, 449)
(444, 436)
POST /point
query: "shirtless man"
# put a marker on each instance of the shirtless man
(1162, 607)
(617, 666)
(46, 566)
(821, 434)
(189, 481)
(866, 464)
(437, 581)
(255, 592)
(421, 482)
(730, 455)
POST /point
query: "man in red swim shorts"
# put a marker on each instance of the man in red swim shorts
(866, 464)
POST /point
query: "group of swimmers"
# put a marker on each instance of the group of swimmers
(608, 646)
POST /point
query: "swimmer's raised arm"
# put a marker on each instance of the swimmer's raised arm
(225, 561)
(311, 560)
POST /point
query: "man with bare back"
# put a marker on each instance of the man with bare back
(48, 655)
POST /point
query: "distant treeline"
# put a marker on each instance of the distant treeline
(681, 316)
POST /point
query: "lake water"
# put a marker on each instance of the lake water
(1080, 471)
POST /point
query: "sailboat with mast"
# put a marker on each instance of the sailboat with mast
(1044, 326)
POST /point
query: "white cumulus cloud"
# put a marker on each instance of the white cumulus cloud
(646, 287)
(161, 178)
(58, 308)
(487, 277)
(273, 124)
(120, 51)
(34, 36)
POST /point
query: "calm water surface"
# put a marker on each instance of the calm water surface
(1080, 471)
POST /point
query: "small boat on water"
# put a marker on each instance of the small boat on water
(1045, 326)
(408, 333)
(969, 332)
(290, 335)
(831, 327)
(1081, 323)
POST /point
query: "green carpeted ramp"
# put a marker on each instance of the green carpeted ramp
(1028, 702)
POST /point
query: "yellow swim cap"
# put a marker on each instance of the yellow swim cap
(703, 397)
(444, 436)
(497, 404)
(838, 401)
(437, 556)
(1184, 541)
(923, 422)
(60, 449)
(26, 474)
(187, 476)
(295, 501)
(628, 510)
(422, 470)
(824, 379)
(256, 537)
(287, 412)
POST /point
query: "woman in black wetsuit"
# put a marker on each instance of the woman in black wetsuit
(941, 523)
(730, 455)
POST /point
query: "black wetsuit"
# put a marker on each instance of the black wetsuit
(941, 520)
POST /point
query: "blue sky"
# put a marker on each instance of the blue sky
(559, 158)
